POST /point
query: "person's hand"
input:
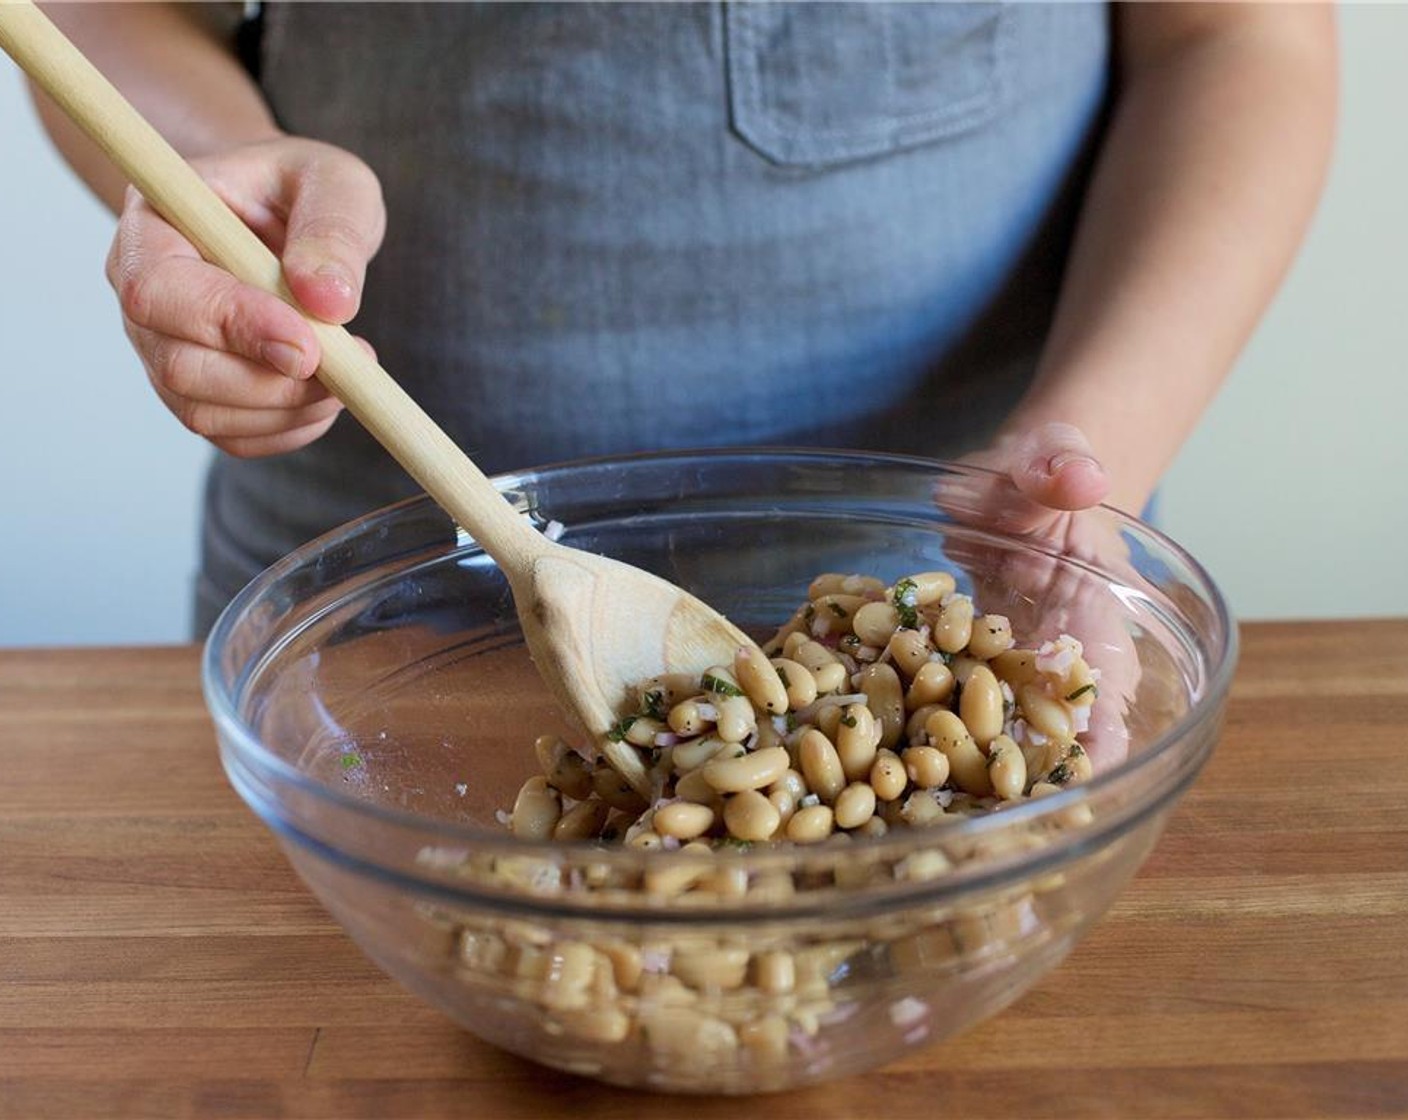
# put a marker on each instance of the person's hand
(233, 363)
(1048, 484)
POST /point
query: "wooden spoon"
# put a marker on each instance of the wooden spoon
(594, 626)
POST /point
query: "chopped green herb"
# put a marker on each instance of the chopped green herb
(903, 598)
(791, 721)
(1060, 774)
(849, 721)
(710, 683)
(735, 842)
(655, 703)
(1078, 693)
(946, 657)
(837, 609)
(809, 613)
(350, 760)
(782, 676)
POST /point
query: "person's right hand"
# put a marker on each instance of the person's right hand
(233, 363)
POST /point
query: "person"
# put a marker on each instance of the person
(1036, 235)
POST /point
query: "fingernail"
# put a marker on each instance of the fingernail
(338, 277)
(285, 357)
(1063, 459)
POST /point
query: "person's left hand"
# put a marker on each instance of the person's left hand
(1048, 485)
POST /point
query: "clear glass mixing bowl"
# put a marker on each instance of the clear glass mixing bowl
(375, 707)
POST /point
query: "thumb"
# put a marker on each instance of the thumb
(336, 220)
(1055, 466)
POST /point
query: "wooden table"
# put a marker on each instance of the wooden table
(158, 957)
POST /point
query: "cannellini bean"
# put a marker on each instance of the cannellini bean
(1015, 666)
(857, 737)
(810, 825)
(775, 972)
(785, 804)
(536, 810)
(683, 820)
(748, 771)
(932, 684)
(930, 587)
(909, 651)
(674, 878)
(737, 719)
(565, 769)
(727, 882)
(567, 975)
(980, 706)
(927, 767)
(954, 626)
(715, 968)
(962, 667)
(687, 718)
(887, 775)
(749, 815)
(642, 730)
(793, 642)
(833, 613)
(602, 1023)
(758, 678)
(914, 733)
(765, 1039)
(695, 753)
(647, 840)
(1047, 714)
(875, 623)
(884, 695)
(821, 765)
(992, 634)
(616, 791)
(921, 808)
(813, 655)
(582, 822)
(828, 721)
(835, 584)
(1007, 768)
(829, 678)
(684, 1037)
(872, 828)
(967, 765)
(797, 679)
(696, 788)
(791, 781)
(661, 693)
(855, 805)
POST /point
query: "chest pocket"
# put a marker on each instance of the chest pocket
(815, 84)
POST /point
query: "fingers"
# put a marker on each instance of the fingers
(206, 375)
(335, 226)
(236, 364)
(166, 290)
(1055, 467)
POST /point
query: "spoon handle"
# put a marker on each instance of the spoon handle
(174, 189)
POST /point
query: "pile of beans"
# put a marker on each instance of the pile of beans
(874, 707)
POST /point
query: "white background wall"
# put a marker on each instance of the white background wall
(1292, 491)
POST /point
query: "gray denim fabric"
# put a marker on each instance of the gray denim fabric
(637, 226)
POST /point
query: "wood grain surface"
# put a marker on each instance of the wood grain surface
(158, 958)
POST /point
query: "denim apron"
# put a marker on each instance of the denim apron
(626, 227)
